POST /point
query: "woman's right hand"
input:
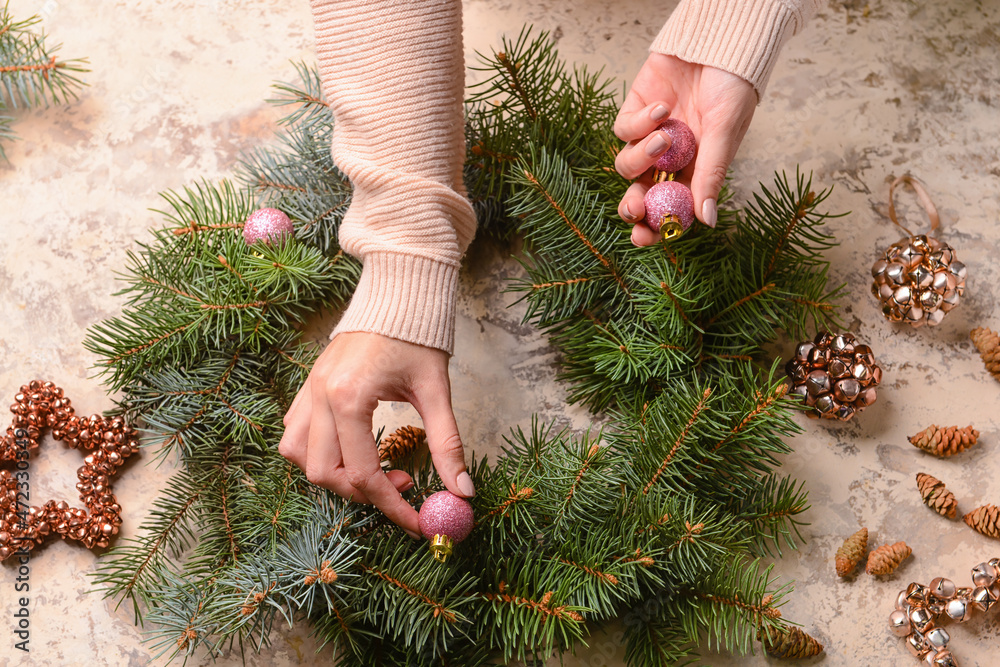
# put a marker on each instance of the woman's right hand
(715, 104)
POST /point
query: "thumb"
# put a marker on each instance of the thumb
(710, 166)
(443, 440)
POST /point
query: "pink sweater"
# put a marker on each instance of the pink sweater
(394, 75)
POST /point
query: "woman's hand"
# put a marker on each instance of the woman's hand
(328, 428)
(715, 104)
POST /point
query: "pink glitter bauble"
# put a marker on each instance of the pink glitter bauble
(266, 224)
(444, 513)
(667, 199)
(682, 146)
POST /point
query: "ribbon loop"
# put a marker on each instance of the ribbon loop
(925, 199)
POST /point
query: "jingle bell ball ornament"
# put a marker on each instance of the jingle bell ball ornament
(268, 225)
(682, 146)
(919, 278)
(835, 375)
(444, 520)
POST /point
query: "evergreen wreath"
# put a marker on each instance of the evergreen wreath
(660, 519)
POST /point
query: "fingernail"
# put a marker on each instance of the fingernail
(465, 485)
(659, 112)
(632, 238)
(415, 536)
(710, 213)
(659, 143)
(627, 213)
(409, 485)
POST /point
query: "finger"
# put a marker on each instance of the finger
(400, 479)
(631, 208)
(303, 391)
(433, 402)
(716, 149)
(635, 119)
(363, 469)
(324, 462)
(642, 235)
(293, 441)
(637, 157)
(710, 167)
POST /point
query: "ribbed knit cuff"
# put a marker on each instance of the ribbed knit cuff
(404, 297)
(739, 36)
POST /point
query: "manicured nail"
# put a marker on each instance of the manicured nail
(409, 485)
(627, 213)
(659, 112)
(658, 144)
(465, 485)
(710, 213)
(415, 536)
(632, 238)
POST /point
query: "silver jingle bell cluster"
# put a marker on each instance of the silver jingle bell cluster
(835, 375)
(918, 280)
(919, 609)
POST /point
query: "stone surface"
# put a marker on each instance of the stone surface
(867, 92)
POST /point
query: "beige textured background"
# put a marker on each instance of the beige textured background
(866, 93)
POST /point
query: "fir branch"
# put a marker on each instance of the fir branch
(725, 606)
(560, 211)
(131, 570)
(30, 73)
(680, 439)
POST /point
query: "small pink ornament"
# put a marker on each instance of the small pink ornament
(266, 224)
(682, 146)
(669, 208)
(445, 519)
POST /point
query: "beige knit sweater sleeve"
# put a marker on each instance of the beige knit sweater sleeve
(740, 36)
(394, 75)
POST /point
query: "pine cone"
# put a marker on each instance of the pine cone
(946, 440)
(985, 520)
(988, 344)
(401, 444)
(791, 642)
(936, 496)
(887, 558)
(851, 552)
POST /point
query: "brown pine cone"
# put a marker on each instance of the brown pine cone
(945, 440)
(401, 444)
(936, 496)
(985, 520)
(790, 642)
(988, 344)
(887, 558)
(851, 553)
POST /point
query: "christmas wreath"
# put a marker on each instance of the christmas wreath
(659, 519)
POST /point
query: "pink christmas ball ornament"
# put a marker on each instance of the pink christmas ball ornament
(682, 146)
(444, 520)
(669, 208)
(268, 225)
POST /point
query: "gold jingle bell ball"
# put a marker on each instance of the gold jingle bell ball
(834, 375)
(919, 278)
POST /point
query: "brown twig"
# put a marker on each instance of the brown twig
(680, 439)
